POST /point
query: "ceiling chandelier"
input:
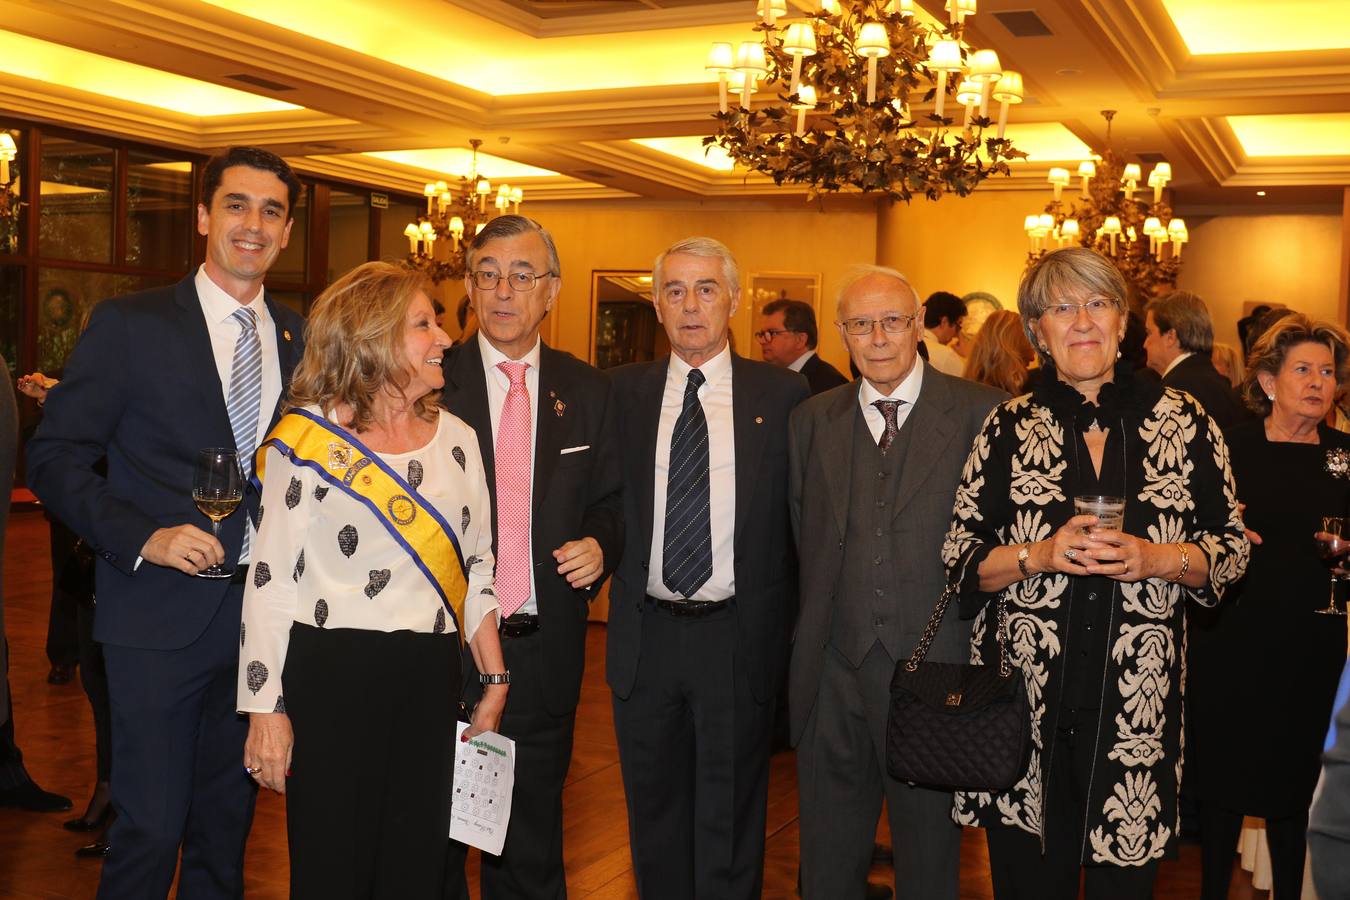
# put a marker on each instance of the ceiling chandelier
(846, 81)
(450, 215)
(1107, 217)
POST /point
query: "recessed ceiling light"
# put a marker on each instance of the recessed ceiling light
(1260, 193)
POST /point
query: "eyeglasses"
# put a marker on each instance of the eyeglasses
(486, 280)
(1097, 308)
(768, 334)
(892, 324)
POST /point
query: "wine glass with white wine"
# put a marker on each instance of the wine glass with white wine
(217, 489)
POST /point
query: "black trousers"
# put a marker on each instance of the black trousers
(63, 644)
(94, 680)
(178, 779)
(1220, 828)
(694, 751)
(368, 798)
(1020, 871)
(531, 864)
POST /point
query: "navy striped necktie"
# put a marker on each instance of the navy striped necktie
(245, 397)
(686, 559)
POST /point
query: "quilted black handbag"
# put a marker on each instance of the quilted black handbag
(958, 727)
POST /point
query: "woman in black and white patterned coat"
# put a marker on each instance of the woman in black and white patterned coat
(349, 666)
(1096, 617)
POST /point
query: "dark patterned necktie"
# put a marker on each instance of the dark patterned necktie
(888, 412)
(687, 548)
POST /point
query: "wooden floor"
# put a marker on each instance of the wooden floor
(55, 732)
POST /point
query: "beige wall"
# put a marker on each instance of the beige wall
(765, 237)
(1236, 260)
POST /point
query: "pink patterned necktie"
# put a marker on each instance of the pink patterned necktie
(513, 459)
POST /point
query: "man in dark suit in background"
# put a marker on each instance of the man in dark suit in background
(546, 428)
(702, 603)
(874, 470)
(1179, 340)
(155, 378)
(787, 338)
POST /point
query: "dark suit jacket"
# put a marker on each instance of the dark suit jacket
(821, 375)
(575, 495)
(141, 388)
(945, 420)
(762, 397)
(1197, 376)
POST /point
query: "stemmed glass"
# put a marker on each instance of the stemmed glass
(217, 489)
(1332, 544)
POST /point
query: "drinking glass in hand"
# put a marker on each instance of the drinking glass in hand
(217, 488)
(1332, 544)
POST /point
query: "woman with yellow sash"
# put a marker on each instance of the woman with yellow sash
(373, 558)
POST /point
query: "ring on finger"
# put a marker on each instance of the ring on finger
(253, 770)
(1071, 554)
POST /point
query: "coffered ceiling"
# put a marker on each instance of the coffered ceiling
(606, 98)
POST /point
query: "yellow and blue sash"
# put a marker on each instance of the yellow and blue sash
(345, 463)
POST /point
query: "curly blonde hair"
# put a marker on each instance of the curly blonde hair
(1001, 353)
(354, 344)
(1269, 353)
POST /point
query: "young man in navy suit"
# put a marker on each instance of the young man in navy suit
(156, 377)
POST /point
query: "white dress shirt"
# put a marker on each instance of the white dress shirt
(219, 309)
(497, 387)
(346, 547)
(715, 397)
(941, 357)
(796, 364)
(907, 390)
(1173, 364)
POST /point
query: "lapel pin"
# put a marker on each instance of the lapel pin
(558, 406)
(552, 394)
(759, 420)
(285, 333)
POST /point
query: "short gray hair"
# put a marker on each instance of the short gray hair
(1075, 270)
(512, 226)
(705, 247)
(856, 273)
(1186, 313)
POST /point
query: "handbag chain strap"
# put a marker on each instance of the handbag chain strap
(935, 622)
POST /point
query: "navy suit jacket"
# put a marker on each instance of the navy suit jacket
(762, 396)
(141, 389)
(574, 495)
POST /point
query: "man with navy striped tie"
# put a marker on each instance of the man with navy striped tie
(703, 601)
(156, 377)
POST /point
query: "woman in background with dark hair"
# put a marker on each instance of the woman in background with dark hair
(1265, 665)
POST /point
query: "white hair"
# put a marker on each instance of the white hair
(858, 272)
(701, 246)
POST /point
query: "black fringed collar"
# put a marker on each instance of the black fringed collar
(1126, 397)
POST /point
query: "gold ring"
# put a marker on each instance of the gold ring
(252, 770)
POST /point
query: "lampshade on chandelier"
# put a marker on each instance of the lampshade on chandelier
(845, 81)
(1140, 237)
(450, 215)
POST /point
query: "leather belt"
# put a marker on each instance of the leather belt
(694, 608)
(519, 625)
(240, 574)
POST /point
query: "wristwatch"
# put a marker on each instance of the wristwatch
(498, 678)
(1022, 556)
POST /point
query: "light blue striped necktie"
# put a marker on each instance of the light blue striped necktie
(245, 397)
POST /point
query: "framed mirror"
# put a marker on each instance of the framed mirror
(624, 328)
(765, 287)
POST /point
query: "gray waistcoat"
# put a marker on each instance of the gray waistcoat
(865, 596)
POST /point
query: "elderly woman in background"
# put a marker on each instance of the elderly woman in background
(1001, 353)
(1264, 668)
(373, 557)
(1095, 609)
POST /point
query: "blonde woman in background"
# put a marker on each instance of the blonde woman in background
(1001, 353)
(1228, 362)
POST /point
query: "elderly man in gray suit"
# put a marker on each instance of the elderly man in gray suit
(874, 467)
